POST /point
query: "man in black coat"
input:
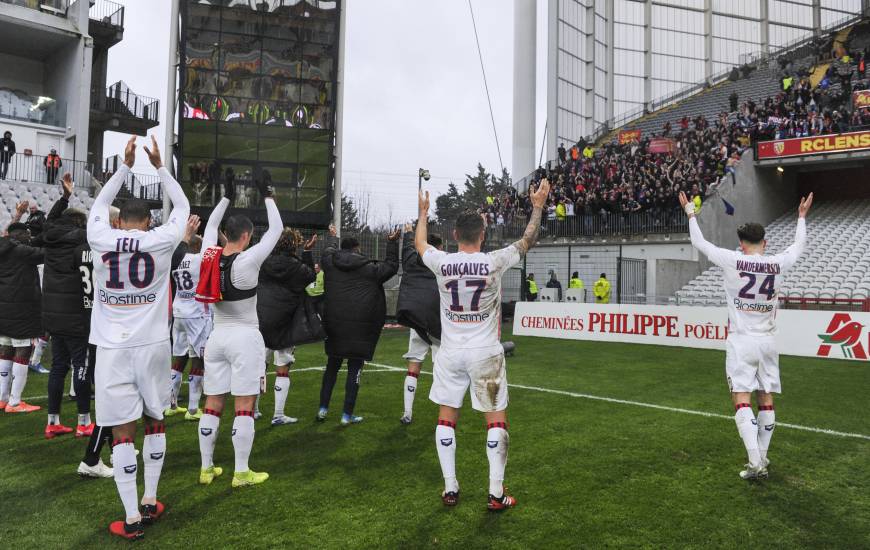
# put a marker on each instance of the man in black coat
(354, 312)
(417, 309)
(7, 150)
(66, 315)
(20, 321)
(280, 291)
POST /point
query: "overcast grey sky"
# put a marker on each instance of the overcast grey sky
(413, 95)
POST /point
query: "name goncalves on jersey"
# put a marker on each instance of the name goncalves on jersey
(477, 269)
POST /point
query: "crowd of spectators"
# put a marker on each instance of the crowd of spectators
(630, 188)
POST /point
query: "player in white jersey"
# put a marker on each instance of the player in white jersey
(235, 355)
(471, 355)
(752, 283)
(130, 327)
(191, 325)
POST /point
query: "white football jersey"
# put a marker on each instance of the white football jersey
(131, 278)
(752, 283)
(186, 278)
(470, 289)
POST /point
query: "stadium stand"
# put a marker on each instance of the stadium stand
(41, 194)
(834, 269)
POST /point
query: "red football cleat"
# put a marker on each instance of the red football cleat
(497, 504)
(21, 407)
(129, 531)
(85, 431)
(450, 498)
(152, 512)
(54, 430)
(3, 406)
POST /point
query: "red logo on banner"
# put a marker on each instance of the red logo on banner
(843, 332)
(778, 147)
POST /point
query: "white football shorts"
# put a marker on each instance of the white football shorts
(190, 335)
(15, 342)
(235, 361)
(482, 370)
(418, 348)
(752, 363)
(284, 357)
(131, 382)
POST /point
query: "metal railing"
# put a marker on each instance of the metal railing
(107, 13)
(826, 304)
(140, 186)
(54, 7)
(18, 105)
(120, 99)
(39, 169)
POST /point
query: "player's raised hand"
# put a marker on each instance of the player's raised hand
(21, 207)
(154, 153)
(130, 152)
(67, 184)
(193, 223)
(539, 197)
(309, 244)
(423, 203)
(394, 236)
(804, 207)
(408, 228)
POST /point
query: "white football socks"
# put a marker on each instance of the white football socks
(194, 391)
(766, 424)
(746, 427)
(19, 379)
(445, 442)
(243, 438)
(38, 348)
(153, 452)
(497, 442)
(175, 377)
(53, 419)
(410, 392)
(208, 429)
(84, 419)
(282, 386)
(5, 378)
(124, 462)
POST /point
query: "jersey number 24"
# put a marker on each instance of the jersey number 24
(766, 288)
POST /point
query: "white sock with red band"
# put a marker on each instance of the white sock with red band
(766, 424)
(748, 430)
(153, 453)
(208, 429)
(243, 438)
(410, 392)
(445, 442)
(282, 386)
(497, 442)
(194, 390)
(125, 467)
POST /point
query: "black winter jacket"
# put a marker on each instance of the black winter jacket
(20, 296)
(63, 282)
(354, 303)
(280, 290)
(419, 301)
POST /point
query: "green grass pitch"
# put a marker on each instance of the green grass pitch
(586, 472)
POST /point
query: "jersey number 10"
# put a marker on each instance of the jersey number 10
(134, 269)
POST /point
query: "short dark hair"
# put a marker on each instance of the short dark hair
(76, 217)
(469, 225)
(603, 275)
(134, 210)
(575, 275)
(752, 233)
(195, 244)
(19, 232)
(235, 226)
(349, 243)
(434, 239)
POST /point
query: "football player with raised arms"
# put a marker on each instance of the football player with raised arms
(471, 355)
(130, 327)
(235, 355)
(752, 283)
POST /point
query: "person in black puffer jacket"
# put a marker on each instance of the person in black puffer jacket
(64, 315)
(280, 290)
(417, 309)
(20, 320)
(354, 312)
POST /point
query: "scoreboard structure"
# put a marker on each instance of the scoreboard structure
(258, 91)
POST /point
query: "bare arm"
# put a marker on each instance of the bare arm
(793, 252)
(421, 235)
(530, 236)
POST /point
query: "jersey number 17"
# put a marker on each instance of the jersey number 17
(477, 284)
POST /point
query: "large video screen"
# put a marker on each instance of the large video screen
(257, 103)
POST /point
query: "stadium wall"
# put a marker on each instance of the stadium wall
(672, 275)
(757, 195)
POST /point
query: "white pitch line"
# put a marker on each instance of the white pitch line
(650, 406)
(292, 370)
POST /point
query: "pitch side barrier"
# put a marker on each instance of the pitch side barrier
(824, 334)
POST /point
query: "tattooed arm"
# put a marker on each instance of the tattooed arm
(530, 236)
